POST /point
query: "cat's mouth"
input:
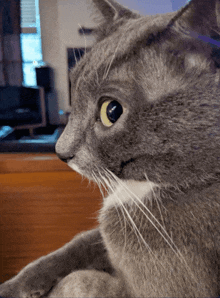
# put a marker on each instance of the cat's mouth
(125, 163)
(132, 168)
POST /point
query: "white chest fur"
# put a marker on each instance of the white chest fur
(128, 192)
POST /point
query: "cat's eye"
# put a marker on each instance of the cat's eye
(110, 111)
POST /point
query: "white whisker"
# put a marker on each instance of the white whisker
(113, 57)
(131, 221)
(123, 228)
(99, 183)
(83, 36)
(166, 237)
(76, 60)
(157, 201)
(133, 226)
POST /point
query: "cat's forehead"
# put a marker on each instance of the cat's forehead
(105, 81)
(126, 37)
(120, 42)
(114, 58)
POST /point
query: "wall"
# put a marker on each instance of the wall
(72, 14)
(59, 30)
(60, 21)
(50, 47)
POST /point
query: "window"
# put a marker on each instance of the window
(30, 40)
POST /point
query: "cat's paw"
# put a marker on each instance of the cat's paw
(6, 290)
(27, 285)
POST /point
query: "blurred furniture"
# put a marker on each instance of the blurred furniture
(22, 107)
(44, 77)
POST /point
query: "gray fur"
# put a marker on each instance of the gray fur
(160, 161)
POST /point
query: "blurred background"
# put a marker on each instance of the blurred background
(43, 204)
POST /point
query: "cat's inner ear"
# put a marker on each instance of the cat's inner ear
(111, 10)
(201, 17)
(200, 20)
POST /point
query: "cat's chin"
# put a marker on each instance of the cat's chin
(77, 169)
(74, 167)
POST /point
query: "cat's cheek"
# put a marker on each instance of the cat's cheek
(99, 128)
(102, 132)
(83, 162)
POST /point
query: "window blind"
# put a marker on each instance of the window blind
(28, 16)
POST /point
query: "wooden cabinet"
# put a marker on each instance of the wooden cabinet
(43, 204)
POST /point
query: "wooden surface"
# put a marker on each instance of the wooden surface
(43, 204)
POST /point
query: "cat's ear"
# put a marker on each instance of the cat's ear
(111, 10)
(200, 17)
(200, 20)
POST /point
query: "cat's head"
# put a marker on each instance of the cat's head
(146, 98)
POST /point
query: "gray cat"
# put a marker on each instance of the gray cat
(145, 125)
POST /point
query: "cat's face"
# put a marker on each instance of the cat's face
(145, 101)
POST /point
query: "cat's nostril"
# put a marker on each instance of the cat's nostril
(61, 157)
(64, 158)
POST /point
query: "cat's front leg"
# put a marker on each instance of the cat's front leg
(91, 283)
(86, 250)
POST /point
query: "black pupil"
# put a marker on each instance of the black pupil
(114, 111)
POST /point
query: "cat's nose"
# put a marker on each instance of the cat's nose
(64, 157)
(66, 144)
(63, 153)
